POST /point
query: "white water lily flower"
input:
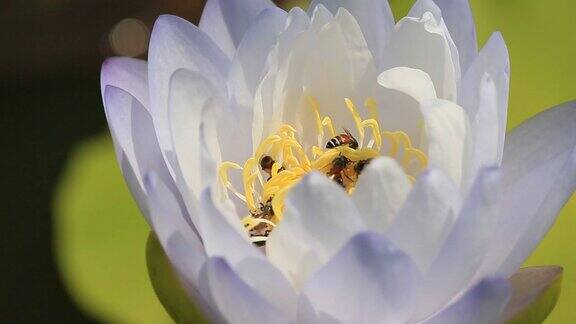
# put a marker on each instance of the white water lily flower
(417, 210)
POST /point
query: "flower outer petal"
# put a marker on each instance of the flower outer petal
(368, 281)
(482, 304)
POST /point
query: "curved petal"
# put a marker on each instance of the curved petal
(482, 304)
(492, 60)
(381, 191)
(226, 21)
(422, 44)
(180, 242)
(236, 301)
(462, 252)
(319, 218)
(175, 44)
(413, 82)
(399, 93)
(223, 239)
(250, 59)
(539, 176)
(423, 222)
(128, 74)
(367, 281)
(133, 132)
(374, 17)
(448, 138)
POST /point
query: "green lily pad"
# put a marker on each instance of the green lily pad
(535, 291)
(99, 239)
(167, 285)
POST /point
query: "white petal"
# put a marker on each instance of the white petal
(482, 304)
(224, 239)
(297, 23)
(236, 301)
(250, 60)
(448, 138)
(413, 82)
(399, 93)
(128, 74)
(463, 251)
(320, 17)
(492, 60)
(319, 218)
(189, 93)
(308, 68)
(423, 222)
(367, 281)
(418, 10)
(226, 21)
(538, 178)
(422, 44)
(381, 191)
(375, 19)
(460, 22)
(175, 43)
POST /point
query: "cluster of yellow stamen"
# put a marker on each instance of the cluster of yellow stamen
(265, 190)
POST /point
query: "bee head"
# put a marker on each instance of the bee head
(266, 162)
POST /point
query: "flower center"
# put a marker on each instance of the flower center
(280, 161)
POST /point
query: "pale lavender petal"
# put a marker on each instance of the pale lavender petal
(374, 17)
(423, 222)
(368, 281)
(547, 141)
(224, 239)
(539, 176)
(481, 305)
(235, 300)
(226, 21)
(128, 74)
(169, 221)
(463, 251)
(249, 62)
(485, 128)
(175, 44)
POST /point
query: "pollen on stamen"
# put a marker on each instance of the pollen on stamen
(281, 160)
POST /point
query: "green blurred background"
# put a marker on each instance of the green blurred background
(73, 247)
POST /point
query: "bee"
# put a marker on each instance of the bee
(263, 229)
(266, 163)
(339, 164)
(343, 139)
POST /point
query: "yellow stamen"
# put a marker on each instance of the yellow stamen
(291, 163)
